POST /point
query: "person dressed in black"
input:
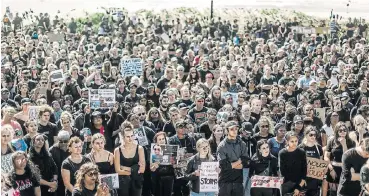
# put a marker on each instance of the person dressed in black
(87, 182)
(263, 163)
(129, 163)
(364, 179)
(162, 175)
(352, 161)
(25, 177)
(42, 159)
(313, 150)
(59, 152)
(72, 163)
(293, 166)
(233, 157)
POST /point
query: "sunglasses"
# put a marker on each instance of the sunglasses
(312, 135)
(342, 130)
(154, 112)
(63, 141)
(264, 126)
(91, 174)
(141, 114)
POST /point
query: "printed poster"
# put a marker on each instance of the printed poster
(156, 153)
(56, 75)
(111, 180)
(140, 136)
(131, 67)
(169, 154)
(6, 163)
(33, 112)
(55, 37)
(266, 182)
(316, 168)
(209, 177)
(101, 98)
(320, 113)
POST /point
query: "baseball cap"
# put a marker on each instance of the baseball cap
(298, 118)
(182, 106)
(4, 90)
(231, 124)
(247, 126)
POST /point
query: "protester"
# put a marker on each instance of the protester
(266, 72)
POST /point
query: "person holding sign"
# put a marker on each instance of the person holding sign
(233, 157)
(88, 181)
(313, 150)
(193, 168)
(293, 166)
(162, 175)
(263, 163)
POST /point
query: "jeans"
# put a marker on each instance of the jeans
(202, 194)
(246, 182)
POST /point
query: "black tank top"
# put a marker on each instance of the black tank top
(104, 167)
(128, 162)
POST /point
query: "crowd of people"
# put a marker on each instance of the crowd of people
(260, 100)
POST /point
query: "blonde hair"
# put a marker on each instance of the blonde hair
(8, 128)
(204, 141)
(97, 136)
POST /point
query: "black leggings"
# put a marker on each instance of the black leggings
(230, 189)
(162, 185)
(261, 192)
(127, 187)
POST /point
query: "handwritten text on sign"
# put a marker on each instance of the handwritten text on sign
(316, 168)
(131, 67)
(209, 177)
(266, 182)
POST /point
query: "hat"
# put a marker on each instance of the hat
(25, 101)
(345, 96)
(96, 114)
(278, 126)
(182, 106)
(231, 124)
(132, 84)
(199, 97)
(298, 118)
(181, 123)
(247, 126)
(151, 85)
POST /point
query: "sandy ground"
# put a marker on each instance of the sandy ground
(320, 8)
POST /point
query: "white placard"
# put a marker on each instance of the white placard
(140, 136)
(33, 112)
(209, 177)
(56, 75)
(165, 37)
(101, 98)
(131, 67)
(266, 182)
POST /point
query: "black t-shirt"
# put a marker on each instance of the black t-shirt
(84, 192)
(315, 151)
(162, 83)
(73, 168)
(351, 159)
(336, 150)
(25, 184)
(50, 130)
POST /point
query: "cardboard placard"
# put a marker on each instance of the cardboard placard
(266, 182)
(111, 180)
(316, 168)
(131, 67)
(209, 177)
(56, 75)
(101, 98)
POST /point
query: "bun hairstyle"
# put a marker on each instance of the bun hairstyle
(126, 126)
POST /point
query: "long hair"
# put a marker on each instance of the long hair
(80, 175)
(30, 170)
(339, 126)
(154, 109)
(43, 157)
(258, 145)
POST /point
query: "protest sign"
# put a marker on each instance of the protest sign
(316, 168)
(140, 136)
(165, 37)
(208, 177)
(266, 182)
(131, 67)
(33, 112)
(169, 154)
(156, 153)
(56, 75)
(101, 98)
(111, 180)
(320, 113)
(56, 37)
(6, 163)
